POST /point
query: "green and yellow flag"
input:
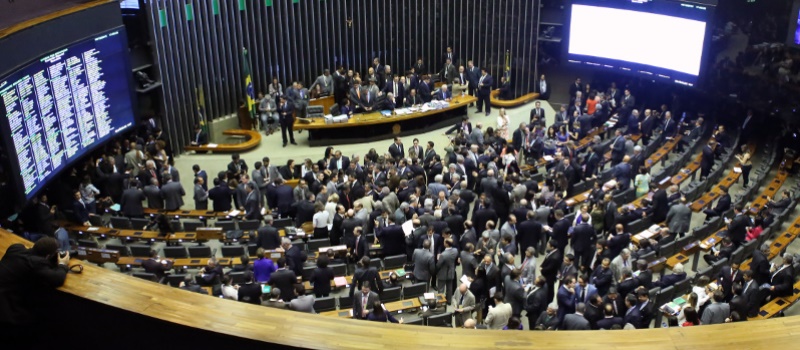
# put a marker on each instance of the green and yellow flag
(248, 85)
(507, 72)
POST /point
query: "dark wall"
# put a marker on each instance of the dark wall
(26, 45)
(16, 11)
(199, 43)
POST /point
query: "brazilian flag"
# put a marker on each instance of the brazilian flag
(201, 108)
(248, 85)
(507, 72)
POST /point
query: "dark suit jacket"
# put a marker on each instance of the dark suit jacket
(252, 207)
(608, 322)
(783, 281)
(295, 257)
(268, 238)
(602, 279)
(583, 238)
(284, 279)
(392, 238)
(550, 266)
(397, 152)
(737, 229)
(560, 232)
(321, 280)
(221, 196)
(529, 234)
(760, 267)
(726, 280)
(660, 206)
(670, 279)
(131, 203)
(357, 307)
(634, 317)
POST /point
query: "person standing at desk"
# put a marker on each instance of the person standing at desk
(484, 88)
(363, 300)
(285, 110)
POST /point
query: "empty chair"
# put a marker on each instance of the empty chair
(416, 321)
(121, 222)
(237, 277)
(283, 223)
(175, 280)
(704, 272)
(717, 267)
(667, 250)
(737, 255)
(683, 287)
(324, 304)
(682, 242)
(649, 256)
(88, 243)
(252, 249)
(146, 276)
(415, 290)
(394, 261)
(232, 251)
(376, 263)
(192, 225)
(140, 250)
(123, 250)
(225, 225)
(201, 251)
(178, 252)
(391, 294)
(176, 225)
(315, 244)
(139, 223)
(443, 320)
(307, 272)
(339, 269)
(249, 225)
(345, 302)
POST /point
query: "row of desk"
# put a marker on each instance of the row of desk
(733, 176)
(395, 307)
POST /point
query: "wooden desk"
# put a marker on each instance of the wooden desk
(252, 139)
(770, 191)
(326, 102)
(132, 261)
(121, 294)
(513, 102)
(373, 126)
(710, 196)
(687, 171)
(399, 306)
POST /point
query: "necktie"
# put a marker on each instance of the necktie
(625, 263)
(301, 94)
(462, 82)
(364, 301)
(432, 240)
(367, 97)
(461, 302)
(153, 173)
(357, 239)
(583, 295)
(358, 92)
(615, 307)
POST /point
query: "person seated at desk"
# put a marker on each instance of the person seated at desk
(274, 299)
(396, 89)
(211, 274)
(229, 290)
(783, 203)
(301, 302)
(723, 204)
(243, 266)
(157, 266)
(345, 109)
(378, 314)
(189, 284)
(316, 92)
(443, 94)
(249, 292)
(413, 99)
(200, 136)
(548, 319)
(388, 103)
(724, 252)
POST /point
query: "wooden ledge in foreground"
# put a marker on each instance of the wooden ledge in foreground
(511, 103)
(120, 308)
(253, 140)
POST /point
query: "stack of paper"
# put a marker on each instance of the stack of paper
(340, 281)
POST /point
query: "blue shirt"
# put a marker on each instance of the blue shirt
(262, 269)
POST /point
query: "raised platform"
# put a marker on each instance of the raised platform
(374, 126)
(253, 138)
(511, 103)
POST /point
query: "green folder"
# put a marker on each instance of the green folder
(679, 301)
(400, 272)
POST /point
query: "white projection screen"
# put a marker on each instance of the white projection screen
(661, 41)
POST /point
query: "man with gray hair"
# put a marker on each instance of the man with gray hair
(576, 321)
(676, 276)
(760, 265)
(476, 136)
(621, 262)
(295, 257)
(424, 264)
(435, 187)
(637, 159)
(548, 319)
(390, 201)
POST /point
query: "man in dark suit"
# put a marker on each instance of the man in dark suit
(359, 247)
(284, 198)
(157, 266)
(286, 117)
(237, 166)
(252, 207)
(131, 202)
(550, 266)
(723, 204)
(396, 149)
(537, 111)
(284, 279)
(529, 233)
(153, 194)
(200, 136)
(473, 75)
(660, 206)
(173, 193)
(362, 302)
(485, 83)
(633, 315)
(575, 87)
(465, 126)
(617, 148)
(268, 236)
(737, 227)
(707, 161)
(760, 265)
(676, 276)
(339, 162)
(392, 238)
(560, 231)
(602, 277)
(583, 238)
(424, 89)
(536, 301)
(647, 125)
(221, 195)
(543, 88)
(397, 89)
(750, 292)
(782, 279)
(729, 276)
(443, 94)
(448, 72)
(295, 257)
